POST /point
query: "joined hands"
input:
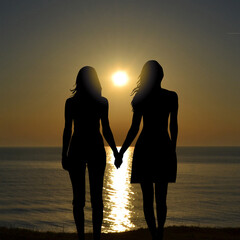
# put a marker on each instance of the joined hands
(118, 159)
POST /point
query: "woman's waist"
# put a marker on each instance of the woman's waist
(155, 131)
(87, 132)
(87, 137)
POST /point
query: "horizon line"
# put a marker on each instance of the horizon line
(28, 146)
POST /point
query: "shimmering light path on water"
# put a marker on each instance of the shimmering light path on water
(118, 196)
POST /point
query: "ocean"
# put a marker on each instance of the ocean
(35, 192)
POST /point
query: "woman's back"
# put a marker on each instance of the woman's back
(156, 110)
(86, 114)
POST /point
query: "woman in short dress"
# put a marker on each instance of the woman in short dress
(154, 157)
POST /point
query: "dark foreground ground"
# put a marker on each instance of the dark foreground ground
(171, 233)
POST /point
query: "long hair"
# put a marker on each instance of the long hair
(87, 83)
(150, 76)
(150, 79)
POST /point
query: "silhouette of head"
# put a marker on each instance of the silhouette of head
(150, 78)
(87, 83)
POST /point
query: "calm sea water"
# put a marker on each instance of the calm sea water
(36, 193)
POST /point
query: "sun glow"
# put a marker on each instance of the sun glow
(120, 78)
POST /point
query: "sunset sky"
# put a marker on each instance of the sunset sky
(43, 44)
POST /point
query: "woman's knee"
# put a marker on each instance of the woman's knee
(147, 204)
(97, 203)
(78, 203)
(161, 192)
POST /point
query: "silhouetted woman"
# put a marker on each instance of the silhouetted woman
(85, 146)
(154, 158)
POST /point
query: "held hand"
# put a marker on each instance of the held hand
(65, 163)
(118, 160)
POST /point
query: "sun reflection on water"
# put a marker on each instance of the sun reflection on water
(118, 196)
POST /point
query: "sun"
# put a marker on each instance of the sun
(120, 78)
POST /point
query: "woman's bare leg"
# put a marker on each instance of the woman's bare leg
(148, 209)
(78, 186)
(161, 202)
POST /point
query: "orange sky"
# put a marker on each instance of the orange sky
(44, 44)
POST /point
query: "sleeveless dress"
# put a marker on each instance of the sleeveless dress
(154, 158)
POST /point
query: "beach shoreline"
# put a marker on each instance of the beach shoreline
(172, 232)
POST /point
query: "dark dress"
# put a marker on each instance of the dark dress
(154, 158)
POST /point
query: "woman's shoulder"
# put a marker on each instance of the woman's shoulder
(170, 94)
(102, 101)
(69, 101)
(72, 101)
(137, 102)
(139, 98)
(171, 98)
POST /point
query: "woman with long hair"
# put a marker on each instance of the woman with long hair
(85, 147)
(154, 157)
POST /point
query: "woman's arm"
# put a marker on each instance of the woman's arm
(132, 133)
(107, 132)
(67, 133)
(174, 123)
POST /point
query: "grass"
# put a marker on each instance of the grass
(171, 233)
